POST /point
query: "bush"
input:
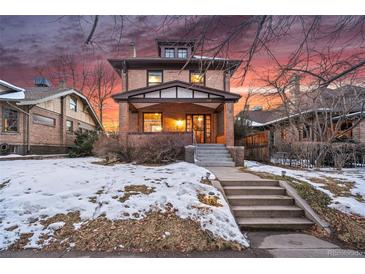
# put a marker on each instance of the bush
(159, 150)
(319, 154)
(111, 149)
(155, 150)
(83, 144)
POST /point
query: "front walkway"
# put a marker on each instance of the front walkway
(232, 174)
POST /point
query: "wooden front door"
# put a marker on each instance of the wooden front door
(201, 125)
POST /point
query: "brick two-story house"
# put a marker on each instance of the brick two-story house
(42, 119)
(176, 93)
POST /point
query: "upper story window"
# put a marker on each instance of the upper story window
(73, 104)
(154, 77)
(169, 53)
(10, 120)
(197, 78)
(182, 53)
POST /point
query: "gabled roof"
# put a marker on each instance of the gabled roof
(37, 95)
(166, 92)
(11, 92)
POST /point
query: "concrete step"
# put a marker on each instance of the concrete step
(216, 163)
(267, 211)
(211, 145)
(251, 200)
(220, 148)
(225, 154)
(254, 190)
(214, 158)
(274, 223)
(249, 183)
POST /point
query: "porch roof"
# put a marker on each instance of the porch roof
(176, 91)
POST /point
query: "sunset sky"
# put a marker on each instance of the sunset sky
(28, 44)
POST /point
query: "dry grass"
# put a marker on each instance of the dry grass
(135, 190)
(155, 232)
(211, 200)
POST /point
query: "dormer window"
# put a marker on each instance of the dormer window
(182, 53)
(169, 53)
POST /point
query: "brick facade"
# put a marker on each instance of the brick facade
(45, 139)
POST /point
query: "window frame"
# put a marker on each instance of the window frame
(75, 100)
(3, 121)
(72, 127)
(186, 53)
(191, 72)
(143, 130)
(169, 49)
(154, 70)
(36, 114)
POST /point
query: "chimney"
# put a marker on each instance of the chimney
(41, 81)
(132, 44)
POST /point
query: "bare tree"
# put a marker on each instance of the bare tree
(102, 83)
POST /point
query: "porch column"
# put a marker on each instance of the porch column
(228, 124)
(123, 120)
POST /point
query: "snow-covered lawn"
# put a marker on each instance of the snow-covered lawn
(33, 189)
(355, 176)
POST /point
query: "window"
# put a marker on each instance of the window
(73, 104)
(10, 120)
(152, 122)
(42, 120)
(154, 78)
(169, 53)
(197, 78)
(182, 53)
(69, 126)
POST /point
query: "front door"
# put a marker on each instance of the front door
(202, 126)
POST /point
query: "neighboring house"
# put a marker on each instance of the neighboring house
(42, 119)
(176, 94)
(331, 115)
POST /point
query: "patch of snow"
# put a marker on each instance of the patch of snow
(18, 95)
(56, 226)
(55, 186)
(344, 204)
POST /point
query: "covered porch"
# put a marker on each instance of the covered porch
(194, 113)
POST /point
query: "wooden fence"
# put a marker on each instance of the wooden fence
(257, 146)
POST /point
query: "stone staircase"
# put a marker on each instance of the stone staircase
(263, 204)
(213, 155)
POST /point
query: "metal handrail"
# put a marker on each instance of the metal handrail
(194, 144)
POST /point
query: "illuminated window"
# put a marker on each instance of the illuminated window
(154, 78)
(182, 53)
(197, 78)
(152, 122)
(73, 104)
(10, 120)
(169, 53)
(69, 126)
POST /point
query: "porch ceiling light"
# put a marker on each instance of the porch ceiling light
(179, 123)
